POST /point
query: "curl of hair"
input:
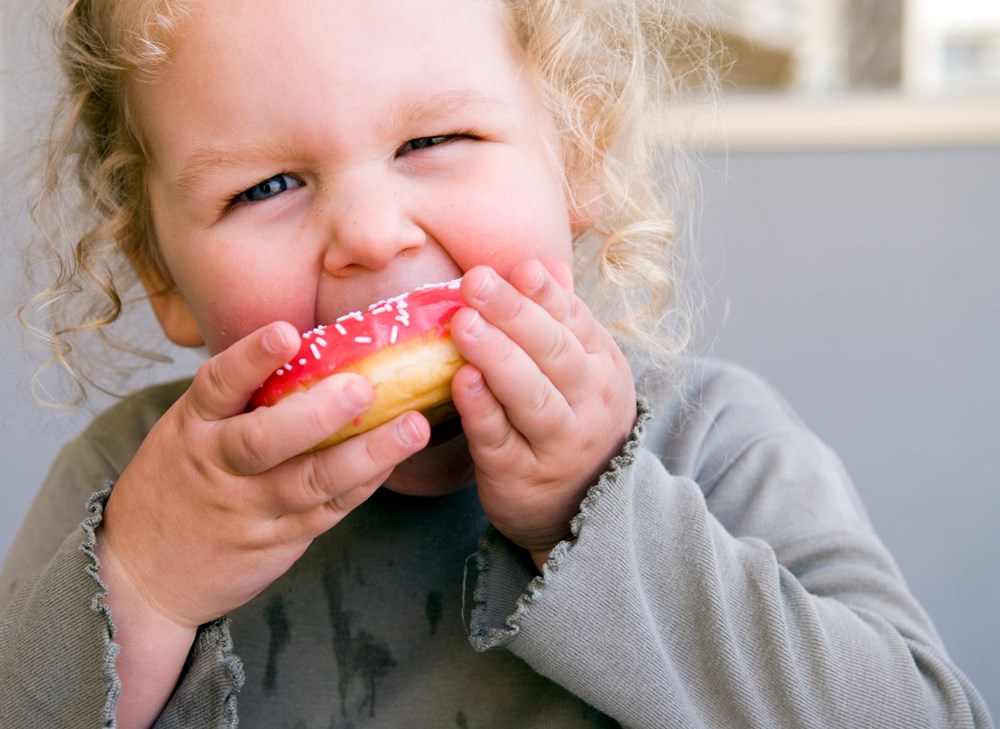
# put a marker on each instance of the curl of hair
(95, 235)
(611, 71)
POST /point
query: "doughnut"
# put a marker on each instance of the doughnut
(402, 345)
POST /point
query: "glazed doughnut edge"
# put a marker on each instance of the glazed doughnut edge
(401, 345)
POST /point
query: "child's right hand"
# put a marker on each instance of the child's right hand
(218, 502)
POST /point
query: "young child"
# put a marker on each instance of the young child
(668, 547)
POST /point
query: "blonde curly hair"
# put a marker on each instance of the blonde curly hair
(608, 70)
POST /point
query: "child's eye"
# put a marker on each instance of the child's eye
(267, 189)
(426, 142)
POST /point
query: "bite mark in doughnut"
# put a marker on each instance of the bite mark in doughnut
(402, 345)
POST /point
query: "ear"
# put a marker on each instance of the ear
(176, 319)
(172, 311)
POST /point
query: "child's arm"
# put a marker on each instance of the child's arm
(217, 503)
(724, 574)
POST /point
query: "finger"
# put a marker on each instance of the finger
(549, 284)
(543, 330)
(562, 273)
(259, 440)
(327, 477)
(484, 421)
(222, 386)
(530, 400)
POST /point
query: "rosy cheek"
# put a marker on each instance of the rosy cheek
(227, 322)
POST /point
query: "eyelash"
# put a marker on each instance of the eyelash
(234, 200)
(436, 141)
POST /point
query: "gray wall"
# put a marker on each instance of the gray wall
(864, 285)
(861, 283)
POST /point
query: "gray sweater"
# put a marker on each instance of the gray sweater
(724, 574)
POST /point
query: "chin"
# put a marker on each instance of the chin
(443, 467)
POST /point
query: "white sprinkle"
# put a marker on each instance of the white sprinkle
(393, 334)
(303, 361)
(320, 341)
(315, 351)
(307, 335)
(403, 318)
(340, 329)
(356, 315)
(380, 310)
(442, 285)
(363, 340)
(280, 371)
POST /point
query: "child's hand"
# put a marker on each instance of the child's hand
(547, 399)
(217, 502)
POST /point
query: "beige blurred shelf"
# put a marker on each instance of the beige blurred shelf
(774, 122)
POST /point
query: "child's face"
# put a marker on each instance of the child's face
(308, 158)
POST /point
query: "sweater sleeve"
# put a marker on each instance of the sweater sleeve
(724, 574)
(57, 649)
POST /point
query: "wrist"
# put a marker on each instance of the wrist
(152, 648)
(541, 556)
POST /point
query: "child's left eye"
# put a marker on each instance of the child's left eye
(426, 142)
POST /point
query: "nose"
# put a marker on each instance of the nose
(369, 224)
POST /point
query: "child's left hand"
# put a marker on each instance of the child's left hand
(547, 399)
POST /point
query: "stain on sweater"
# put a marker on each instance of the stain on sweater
(433, 610)
(277, 623)
(361, 658)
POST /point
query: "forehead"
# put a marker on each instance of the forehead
(230, 60)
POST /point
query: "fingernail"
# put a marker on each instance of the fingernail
(476, 384)
(409, 433)
(537, 275)
(474, 327)
(487, 287)
(354, 396)
(275, 339)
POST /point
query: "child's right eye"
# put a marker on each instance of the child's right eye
(267, 189)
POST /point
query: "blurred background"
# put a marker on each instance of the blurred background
(849, 248)
(850, 244)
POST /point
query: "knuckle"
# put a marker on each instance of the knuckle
(560, 346)
(541, 398)
(503, 441)
(514, 308)
(576, 312)
(316, 479)
(215, 375)
(254, 445)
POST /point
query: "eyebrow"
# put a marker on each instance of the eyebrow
(441, 104)
(207, 158)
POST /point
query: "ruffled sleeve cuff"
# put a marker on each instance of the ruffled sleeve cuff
(206, 696)
(507, 586)
(212, 676)
(58, 650)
